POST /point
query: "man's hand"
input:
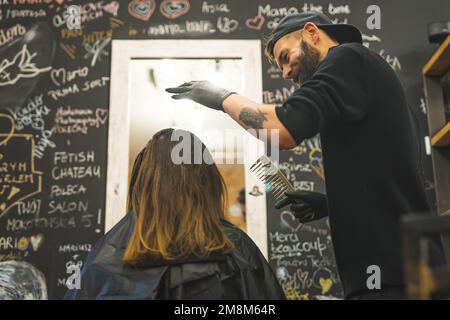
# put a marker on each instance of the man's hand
(203, 92)
(306, 206)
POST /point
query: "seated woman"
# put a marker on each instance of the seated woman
(174, 243)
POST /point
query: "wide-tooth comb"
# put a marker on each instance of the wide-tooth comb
(267, 172)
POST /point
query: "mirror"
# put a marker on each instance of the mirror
(153, 109)
(139, 107)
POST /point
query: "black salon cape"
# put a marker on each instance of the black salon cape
(242, 274)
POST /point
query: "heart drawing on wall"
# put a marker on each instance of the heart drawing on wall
(255, 23)
(36, 241)
(290, 221)
(142, 9)
(102, 115)
(173, 9)
(325, 284)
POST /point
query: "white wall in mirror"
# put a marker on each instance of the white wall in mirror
(153, 109)
(242, 58)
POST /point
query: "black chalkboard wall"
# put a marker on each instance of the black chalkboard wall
(54, 92)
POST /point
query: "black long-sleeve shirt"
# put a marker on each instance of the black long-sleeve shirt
(371, 157)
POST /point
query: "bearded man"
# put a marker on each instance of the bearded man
(371, 147)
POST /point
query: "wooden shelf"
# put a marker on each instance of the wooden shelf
(440, 61)
(442, 137)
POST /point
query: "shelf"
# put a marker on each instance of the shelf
(442, 137)
(440, 61)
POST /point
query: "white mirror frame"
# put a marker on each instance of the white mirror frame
(249, 51)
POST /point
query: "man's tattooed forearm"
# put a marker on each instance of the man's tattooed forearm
(252, 118)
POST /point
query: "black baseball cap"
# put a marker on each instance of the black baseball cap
(342, 33)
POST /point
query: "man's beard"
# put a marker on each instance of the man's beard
(307, 63)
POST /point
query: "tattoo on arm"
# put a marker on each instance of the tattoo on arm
(251, 118)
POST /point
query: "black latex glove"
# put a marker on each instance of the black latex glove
(203, 92)
(306, 206)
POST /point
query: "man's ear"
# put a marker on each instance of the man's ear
(312, 32)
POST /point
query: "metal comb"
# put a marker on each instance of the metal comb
(268, 173)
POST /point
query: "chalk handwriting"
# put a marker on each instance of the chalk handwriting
(214, 8)
(71, 33)
(367, 40)
(74, 247)
(372, 38)
(58, 93)
(92, 11)
(78, 172)
(62, 92)
(68, 206)
(278, 95)
(23, 243)
(67, 190)
(312, 7)
(227, 25)
(268, 11)
(291, 167)
(11, 33)
(342, 9)
(298, 248)
(29, 206)
(44, 142)
(65, 157)
(73, 172)
(393, 61)
(95, 36)
(74, 120)
(165, 29)
(62, 76)
(304, 185)
(96, 51)
(53, 222)
(339, 21)
(200, 27)
(33, 115)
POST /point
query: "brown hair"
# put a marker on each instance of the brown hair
(178, 207)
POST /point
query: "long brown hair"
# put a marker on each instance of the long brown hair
(178, 207)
